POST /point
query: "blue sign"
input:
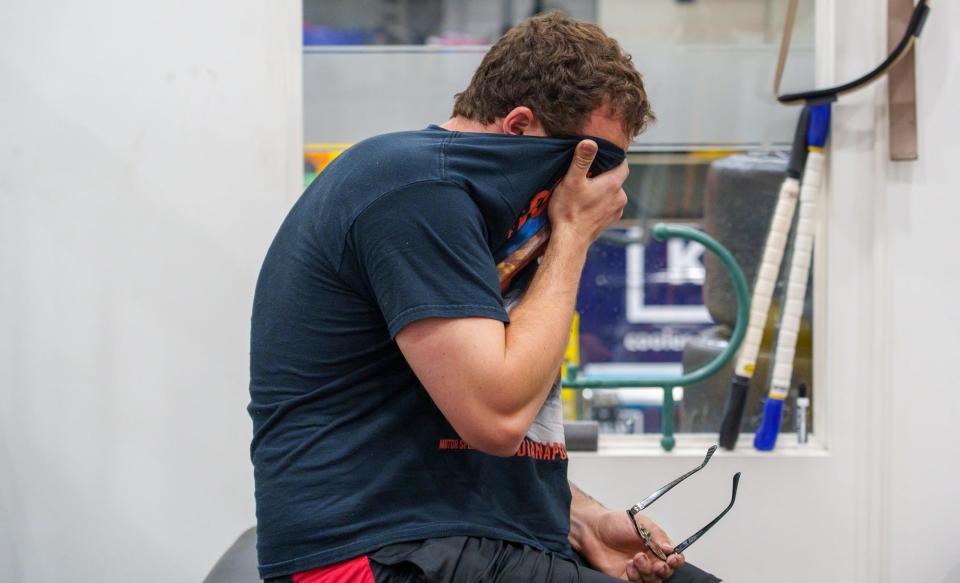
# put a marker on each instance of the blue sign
(639, 303)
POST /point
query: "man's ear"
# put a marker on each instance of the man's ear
(521, 120)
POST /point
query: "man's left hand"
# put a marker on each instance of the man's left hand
(619, 552)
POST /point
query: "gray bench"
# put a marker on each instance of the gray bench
(239, 563)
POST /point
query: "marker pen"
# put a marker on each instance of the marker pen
(803, 403)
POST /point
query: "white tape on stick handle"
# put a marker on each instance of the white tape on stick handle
(798, 277)
(767, 276)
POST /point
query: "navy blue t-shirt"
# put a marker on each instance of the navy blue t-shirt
(349, 451)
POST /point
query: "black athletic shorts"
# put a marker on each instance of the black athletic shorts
(463, 559)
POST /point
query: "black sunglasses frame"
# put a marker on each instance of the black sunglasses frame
(645, 535)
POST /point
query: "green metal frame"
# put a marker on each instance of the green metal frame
(661, 232)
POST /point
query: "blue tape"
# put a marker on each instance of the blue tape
(819, 125)
(766, 437)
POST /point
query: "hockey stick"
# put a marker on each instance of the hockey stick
(764, 285)
(789, 329)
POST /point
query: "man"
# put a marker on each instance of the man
(402, 420)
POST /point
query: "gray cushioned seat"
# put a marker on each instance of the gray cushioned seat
(239, 563)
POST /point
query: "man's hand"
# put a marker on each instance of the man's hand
(611, 544)
(621, 553)
(584, 207)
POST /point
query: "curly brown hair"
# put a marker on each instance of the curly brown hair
(563, 70)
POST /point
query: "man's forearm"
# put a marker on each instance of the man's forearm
(585, 511)
(539, 329)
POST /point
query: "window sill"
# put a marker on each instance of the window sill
(694, 445)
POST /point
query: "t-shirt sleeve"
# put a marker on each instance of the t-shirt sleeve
(422, 252)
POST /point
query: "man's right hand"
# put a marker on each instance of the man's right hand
(581, 207)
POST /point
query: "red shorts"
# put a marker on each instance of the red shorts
(355, 570)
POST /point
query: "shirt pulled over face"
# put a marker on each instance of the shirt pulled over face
(350, 453)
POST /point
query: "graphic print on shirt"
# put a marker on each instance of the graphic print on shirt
(526, 240)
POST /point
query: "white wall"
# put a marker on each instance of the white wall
(919, 214)
(878, 501)
(148, 151)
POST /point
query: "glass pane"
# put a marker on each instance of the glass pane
(424, 22)
(708, 64)
(651, 308)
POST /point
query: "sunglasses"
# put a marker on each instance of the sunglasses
(645, 535)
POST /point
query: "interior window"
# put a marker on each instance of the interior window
(713, 160)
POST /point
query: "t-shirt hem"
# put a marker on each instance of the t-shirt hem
(444, 311)
(366, 545)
